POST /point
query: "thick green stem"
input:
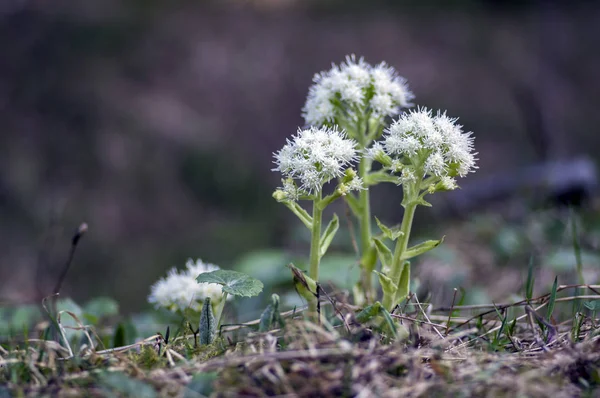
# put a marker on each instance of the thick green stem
(365, 225)
(220, 309)
(389, 301)
(315, 243)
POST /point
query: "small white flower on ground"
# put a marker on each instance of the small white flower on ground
(314, 156)
(179, 290)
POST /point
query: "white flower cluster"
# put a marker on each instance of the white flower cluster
(437, 143)
(314, 156)
(179, 290)
(354, 86)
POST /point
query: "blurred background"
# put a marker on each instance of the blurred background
(155, 123)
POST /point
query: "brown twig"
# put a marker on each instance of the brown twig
(450, 313)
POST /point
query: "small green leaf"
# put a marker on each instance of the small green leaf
(353, 203)
(125, 333)
(387, 285)
(270, 315)
(304, 285)
(374, 310)
(369, 312)
(503, 319)
(369, 259)
(552, 300)
(390, 233)
(277, 318)
(295, 208)
(404, 286)
(119, 336)
(301, 214)
(101, 307)
(328, 235)
(380, 176)
(23, 315)
(201, 385)
(266, 319)
(119, 384)
(530, 281)
(384, 253)
(359, 294)
(233, 282)
(421, 248)
(208, 325)
(592, 305)
(390, 322)
(423, 202)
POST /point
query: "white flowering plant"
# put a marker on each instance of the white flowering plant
(354, 114)
(425, 154)
(311, 159)
(360, 98)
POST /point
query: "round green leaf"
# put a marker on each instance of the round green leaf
(233, 282)
(101, 306)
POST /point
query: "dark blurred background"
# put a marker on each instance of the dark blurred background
(155, 122)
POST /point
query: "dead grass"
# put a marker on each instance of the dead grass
(439, 355)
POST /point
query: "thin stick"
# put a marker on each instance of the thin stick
(594, 288)
(78, 234)
(319, 287)
(410, 319)
(494, 329)
(450, 313)
(426, 317)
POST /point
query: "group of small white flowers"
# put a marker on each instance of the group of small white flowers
(179, 290)
(433, 146)
(427, 144)
(354, 86)
(314, 157)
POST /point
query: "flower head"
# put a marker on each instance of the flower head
(437, 144)
(179, 290)
(352, 87)
(195, 268)
(314, 156)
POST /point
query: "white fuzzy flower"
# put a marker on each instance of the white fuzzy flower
(396, 165)
(356, 72)
(356, 184)
(195, 268)
(438, 143)
(383, 105)
(315, 156)
(375, 151)
(402, 144)
(435, 164)
(407, 177)
(448, 183)
(386, 81)
(290, 190)
(179, 290)
(355, 86)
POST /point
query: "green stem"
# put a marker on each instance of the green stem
(401, 245)
(220, 309)
(365, 225)
(315, 243)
